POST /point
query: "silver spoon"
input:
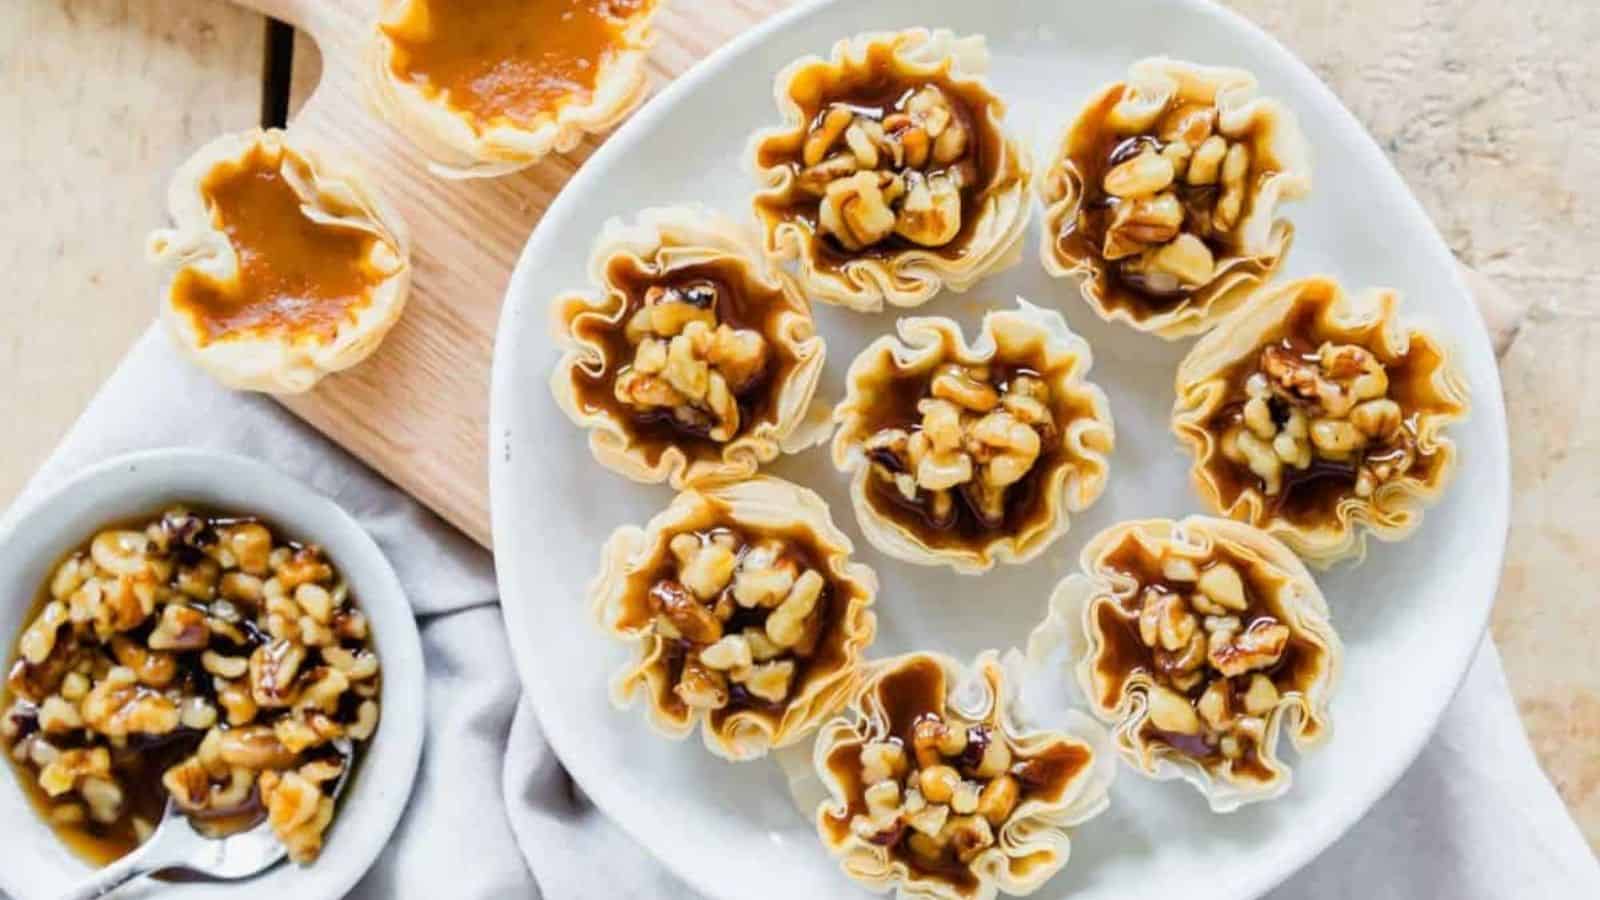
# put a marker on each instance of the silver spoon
(177, 846)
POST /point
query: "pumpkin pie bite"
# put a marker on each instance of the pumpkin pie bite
(486, 87)
(936, 789)
(1321, 416)
(1200, 642)
(281, 266)
(968, 455)
(893, 176)
(692, 361)
(1163, 194)
(744, 612)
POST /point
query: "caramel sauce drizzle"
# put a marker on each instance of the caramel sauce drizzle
(877, 89)
(1123, 654)
(1311, 497)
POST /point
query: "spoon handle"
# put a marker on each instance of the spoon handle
(109, 878)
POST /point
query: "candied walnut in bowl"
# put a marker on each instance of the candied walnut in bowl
(748, 617)
(936, 789)
(1320, 416)
(969, 455)
(1163, 193)
(194, 657)
(694, 361)
(1199, 641)
(893, 176)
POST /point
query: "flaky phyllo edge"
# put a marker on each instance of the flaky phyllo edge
(1074, 484)
(1371, 320)
(759, 503)
(1263, 240)
(986, 693)
(914, 275)
(332, 192)
(1072, 621)
(459, 145)
(663, 240)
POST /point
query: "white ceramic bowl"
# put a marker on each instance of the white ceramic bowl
(36, 863)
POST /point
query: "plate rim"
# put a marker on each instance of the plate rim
(1488, 402)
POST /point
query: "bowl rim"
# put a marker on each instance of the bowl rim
(166, 475)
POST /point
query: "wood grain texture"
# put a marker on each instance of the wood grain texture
(417, 411)
(99, 99)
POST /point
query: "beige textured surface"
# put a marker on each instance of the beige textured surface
(98, 100)
(1491, 111)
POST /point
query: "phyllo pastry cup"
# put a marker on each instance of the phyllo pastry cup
(692, 361)
(1163, 193)
(937, 789)
(968, 455)
(748, 617)
(491, 86)
(1199, 641)
(892, 176)
(1321, 416)
(281, 266)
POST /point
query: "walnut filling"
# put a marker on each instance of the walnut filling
(201, 658)
(1329, 406)
(744, 617)
(1172, 193)
(978, 437)
(947, 799)
(1219, 658)
(687, 365)
(894, 170)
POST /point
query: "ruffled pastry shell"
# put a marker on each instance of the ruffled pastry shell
(760, 505)
(333, 192)
(911, 275)
(1436, 395)
(665, 241)
(1073, 479)
(1280, 171)
(460, 145)
(1032, 845)
(1281, 582)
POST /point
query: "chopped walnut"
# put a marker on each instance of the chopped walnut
(190, 629)
(1330, 405)
(945, 799)
(1177, 188)
(899, 172)
(973, 438)
(781, 607)
(687, 365)
(1211, 659)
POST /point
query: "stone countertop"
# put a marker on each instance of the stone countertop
(1490, 110)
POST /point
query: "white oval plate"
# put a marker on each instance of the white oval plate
(1411, 616)
(36, 863)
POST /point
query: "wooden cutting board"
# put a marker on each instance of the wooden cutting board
(418, 410)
